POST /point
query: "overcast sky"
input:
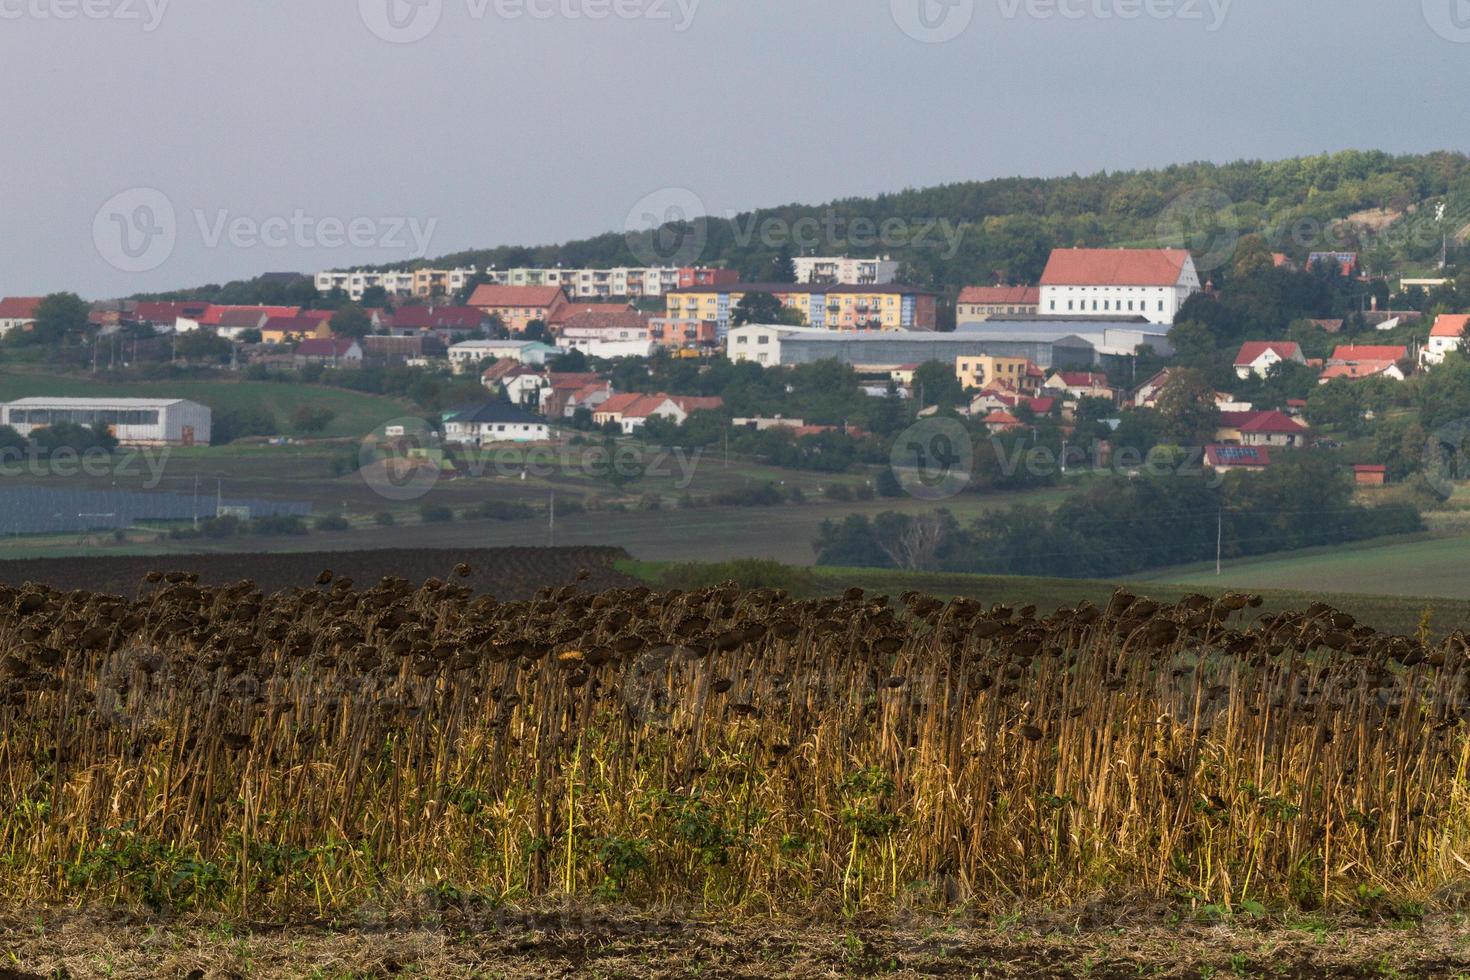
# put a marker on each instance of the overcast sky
(272, 131)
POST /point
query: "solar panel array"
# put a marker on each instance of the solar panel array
(40, 510)
(1237, 454)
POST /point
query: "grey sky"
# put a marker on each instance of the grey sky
(502, 127)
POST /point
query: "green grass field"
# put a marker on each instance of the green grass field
(1415, 567)
(1393, 613)
(356, 413)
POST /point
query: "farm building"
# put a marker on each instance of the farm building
(132, 421)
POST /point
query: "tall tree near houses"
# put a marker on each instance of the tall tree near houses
(783, 268)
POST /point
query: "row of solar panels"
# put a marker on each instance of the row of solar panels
(38, 510)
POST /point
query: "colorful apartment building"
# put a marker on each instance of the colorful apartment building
(877, 307)
(978, 372)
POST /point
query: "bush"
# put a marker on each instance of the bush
(838, 491)
(757, 495)
(435, 514)
(384, 519)
(311, 419)
(278, 525)
(333, 522)
(241, 423)
(220, 527)
(865, 491)
(503, 510)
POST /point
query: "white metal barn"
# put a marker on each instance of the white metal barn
(132, 421)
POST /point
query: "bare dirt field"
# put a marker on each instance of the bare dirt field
(507, 573)
(593, 945)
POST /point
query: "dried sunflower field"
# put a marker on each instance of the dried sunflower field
(325, 751)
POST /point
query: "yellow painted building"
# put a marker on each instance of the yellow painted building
(977, 372)
(841, 307)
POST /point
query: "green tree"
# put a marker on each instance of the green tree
(783, 268)
(352, 321)
(60, 318)
(1187, 409)
(935, 383)
(760, 307)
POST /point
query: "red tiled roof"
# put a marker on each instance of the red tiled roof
(692, 404)
(1269, 422)
(1041, 406)
(240, 318)
(1357, 369)
(1082, 379)
(1001, 295)
(212, 315)
(19, 307)
(1450, 325)
(576, 309)
(1285, 349)
(320, 316)
(617, 404)
(998, 417)
(572, 380)
(524, 296)
(167, 312)
(337, 347)
(618, 319)
(1114, 267)
(1370, 468)
(438, 318)
(1350, 354)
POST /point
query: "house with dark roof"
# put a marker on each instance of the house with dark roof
(446, 321)
(334, 352)
(490, 422)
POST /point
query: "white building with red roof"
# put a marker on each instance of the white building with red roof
(1357, 361)
(1448, 334)
(1257, 357)
(1148, 282)
(17, 312)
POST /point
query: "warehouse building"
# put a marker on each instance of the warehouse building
(132, 421)
(884, 351)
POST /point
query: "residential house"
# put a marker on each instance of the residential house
(334, 352)
(1149, 282)
(978, 303)
(1223, 459)
(1263, 428)
(1147, 394)
(1447, 334)
(590, 314)
(467, 355)
(492, 422)
(632, 411)
(448, 322)
(1256, 357)
(977, 372)
(567, 391)
(1079, 384)
(392, 350)
(519, 306)
(213, 314)
(999, 421)
(1346, 262)
(232, 323)
(286, 329)
(1365, 361)
(993, 400)
(162, 317)
(18, 313)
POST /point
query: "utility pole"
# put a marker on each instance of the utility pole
(1219, 539)
(551, 523)
(196, 501)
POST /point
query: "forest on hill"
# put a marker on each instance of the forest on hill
(1385, 207)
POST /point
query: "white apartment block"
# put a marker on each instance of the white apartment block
(846, 272)
(579, 283)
